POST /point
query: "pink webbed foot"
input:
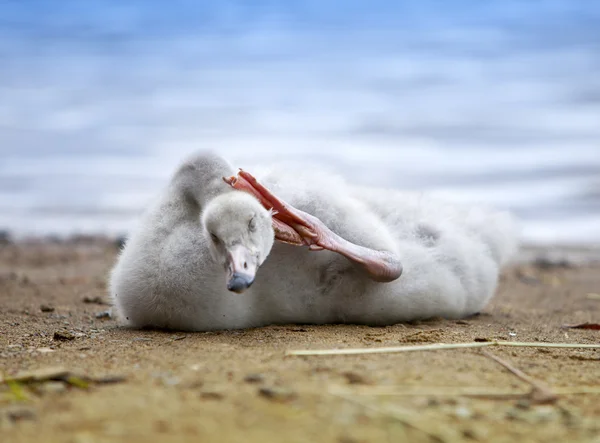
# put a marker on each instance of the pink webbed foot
(293, 226)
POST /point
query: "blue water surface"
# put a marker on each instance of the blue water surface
(495, 102)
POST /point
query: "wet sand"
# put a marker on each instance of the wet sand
(240, 386)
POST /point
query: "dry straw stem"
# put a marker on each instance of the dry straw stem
(452, 391)
(439, 346)
(541, 393)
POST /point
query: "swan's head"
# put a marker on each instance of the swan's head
(240, 235)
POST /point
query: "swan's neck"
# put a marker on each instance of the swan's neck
(195, 184)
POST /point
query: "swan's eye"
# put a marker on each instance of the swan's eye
(214, 238)
(252, 224)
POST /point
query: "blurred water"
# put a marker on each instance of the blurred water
(475, 101)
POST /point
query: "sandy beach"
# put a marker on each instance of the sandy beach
(141, 386)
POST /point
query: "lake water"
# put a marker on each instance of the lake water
(495, 102)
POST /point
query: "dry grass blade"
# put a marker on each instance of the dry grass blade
(399, 416)
(540, 394)
(391, 349)
(445, 391)
(439, 346)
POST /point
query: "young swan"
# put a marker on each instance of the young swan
(241, 236)
(204, 240)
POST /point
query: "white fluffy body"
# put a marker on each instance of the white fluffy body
(169, 275)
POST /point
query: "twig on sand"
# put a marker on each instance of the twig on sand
(396, 414)
(58, 374)
(540, 393)
(439, 346)
(586, 325)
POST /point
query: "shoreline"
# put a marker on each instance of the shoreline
(567, 254)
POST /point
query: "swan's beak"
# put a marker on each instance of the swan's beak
(241, 266)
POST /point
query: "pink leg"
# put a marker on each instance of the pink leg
(380, 265)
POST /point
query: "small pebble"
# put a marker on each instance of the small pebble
(470, 434)
(63, 335)
(354, 378)
(432, 402)
(254, 378)
(103, 314)
(21, 413)
(463, 412)
(94, 300)
(277, 394)
(212, 395)
(46, 308)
